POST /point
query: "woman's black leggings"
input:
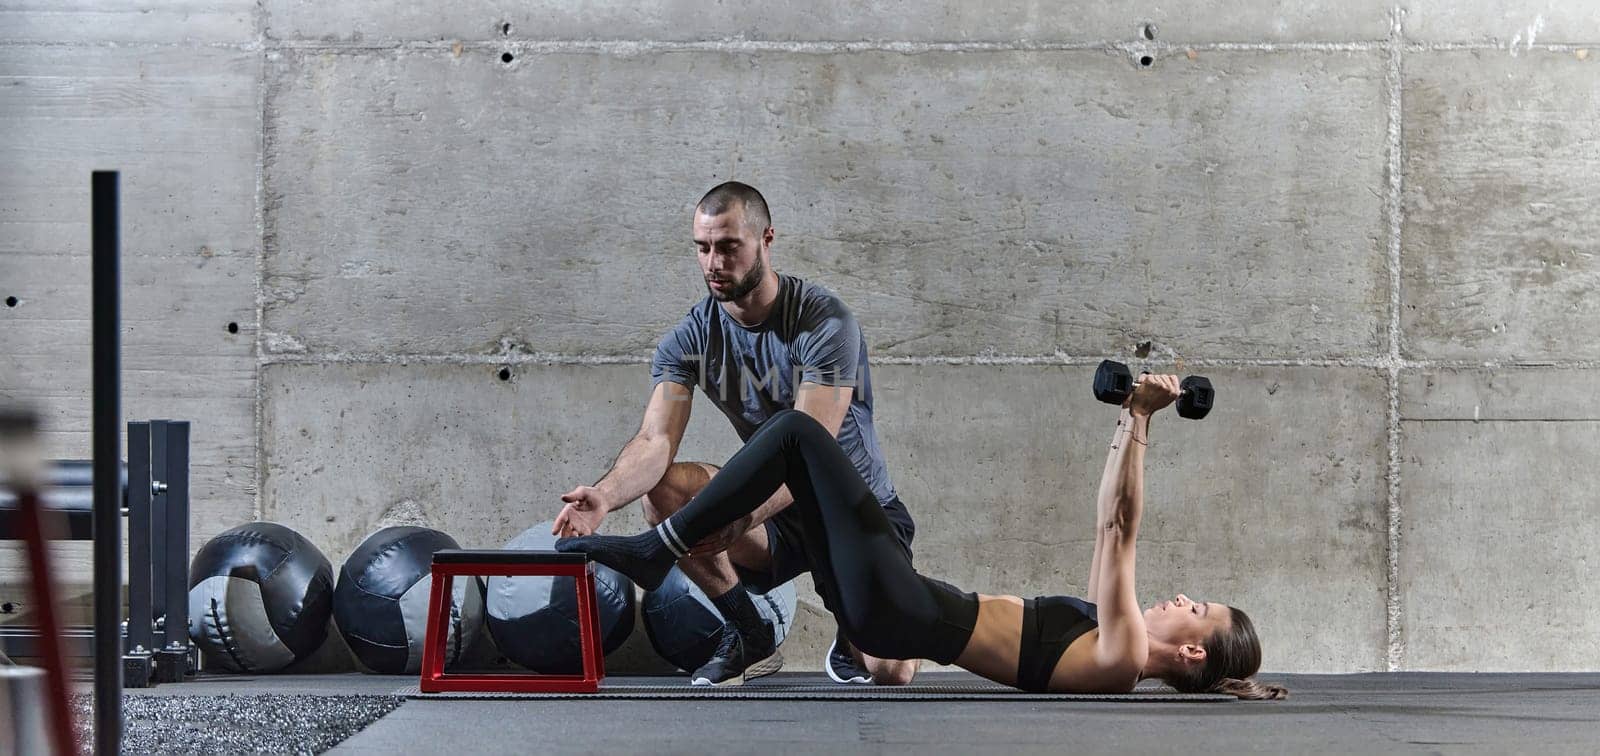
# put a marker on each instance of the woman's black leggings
(862, 574)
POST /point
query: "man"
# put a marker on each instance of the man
(759, 343)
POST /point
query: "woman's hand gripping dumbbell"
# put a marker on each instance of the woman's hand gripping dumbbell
(1114, 383)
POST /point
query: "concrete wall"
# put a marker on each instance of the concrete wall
(1366, 221)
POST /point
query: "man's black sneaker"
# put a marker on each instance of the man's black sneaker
(841, 664)
(739, 659)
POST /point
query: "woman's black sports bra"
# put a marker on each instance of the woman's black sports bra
(1049, 625)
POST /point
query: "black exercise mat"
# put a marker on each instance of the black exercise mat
(783, 690)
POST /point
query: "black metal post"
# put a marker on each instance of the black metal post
(177, 530)
(159, 448)
(141, 519)
(107, 463)
(138, 650)
(168, 454)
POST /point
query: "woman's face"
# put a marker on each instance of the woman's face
(1181, 620)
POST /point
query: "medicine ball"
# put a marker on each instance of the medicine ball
(684, 626)
(260, 596)
(381, 602)
(534, 619)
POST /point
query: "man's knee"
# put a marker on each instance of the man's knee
(663, 500)
(891, 671)
(884, 671)
(680, 483)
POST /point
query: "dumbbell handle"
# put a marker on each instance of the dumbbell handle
(1137, 383)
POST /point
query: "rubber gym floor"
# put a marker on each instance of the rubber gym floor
(1368, 713)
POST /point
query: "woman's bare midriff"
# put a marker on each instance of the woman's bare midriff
(996, 643)
(996, 639)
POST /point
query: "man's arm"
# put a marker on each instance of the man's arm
(638, 467)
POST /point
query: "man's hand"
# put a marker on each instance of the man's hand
(1153, 392)
(724, 537)
(586, 507)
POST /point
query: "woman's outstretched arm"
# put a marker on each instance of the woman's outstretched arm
(1122, 643)
(1104, 501)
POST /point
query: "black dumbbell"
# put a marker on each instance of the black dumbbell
(1113, 383)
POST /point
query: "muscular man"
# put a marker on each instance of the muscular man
(760, 343)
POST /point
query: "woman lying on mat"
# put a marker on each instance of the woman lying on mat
(1052, 643)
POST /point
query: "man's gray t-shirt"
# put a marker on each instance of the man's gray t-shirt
(751, 373)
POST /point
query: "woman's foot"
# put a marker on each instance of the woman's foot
(644, 558)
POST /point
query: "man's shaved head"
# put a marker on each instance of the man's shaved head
(733, 233)
(732, 195)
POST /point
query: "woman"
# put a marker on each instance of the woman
(1052, 643)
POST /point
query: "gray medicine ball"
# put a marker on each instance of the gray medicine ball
(533, 619)
(260, 596)
(381, 602)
